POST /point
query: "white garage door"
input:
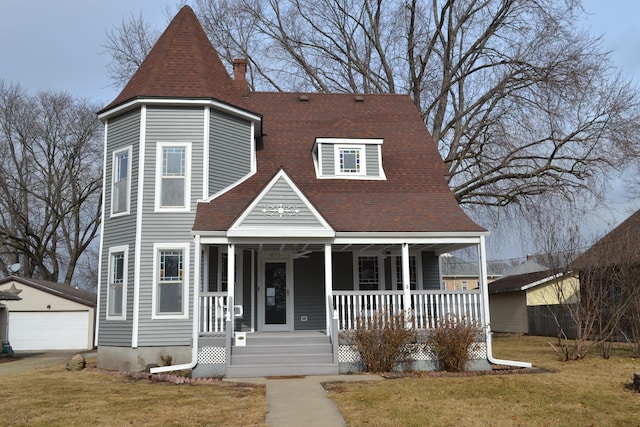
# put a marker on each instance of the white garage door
(49, 330)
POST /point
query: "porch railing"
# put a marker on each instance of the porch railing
(212, 312)
(428, 308)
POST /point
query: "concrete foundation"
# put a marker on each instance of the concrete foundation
(139, 359)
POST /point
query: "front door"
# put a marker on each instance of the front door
(275, 295)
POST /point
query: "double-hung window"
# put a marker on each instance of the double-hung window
(121, 181)
(171, 280)
(117, 288)
(173, 177)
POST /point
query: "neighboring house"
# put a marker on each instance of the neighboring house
(234, 218)
(528, 266)
(521, 303)
(48, 315)
(458, 274)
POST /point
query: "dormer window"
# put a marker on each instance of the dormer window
(345, 158)
(350, 161)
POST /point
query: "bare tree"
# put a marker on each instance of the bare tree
(519, 101)
(50, 179)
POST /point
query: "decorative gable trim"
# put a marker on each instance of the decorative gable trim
(281, 210)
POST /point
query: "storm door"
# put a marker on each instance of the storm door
(275, 295)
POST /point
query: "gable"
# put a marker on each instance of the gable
(281, 210)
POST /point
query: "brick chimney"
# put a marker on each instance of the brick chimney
(240, 76)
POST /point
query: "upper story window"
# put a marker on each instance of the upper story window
(344, 158)
(121, 181)
(173, 178)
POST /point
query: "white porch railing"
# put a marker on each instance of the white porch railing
(429, 308)
(212, 312)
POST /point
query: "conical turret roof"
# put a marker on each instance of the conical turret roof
(182, 64)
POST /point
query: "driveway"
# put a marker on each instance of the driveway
(33, 360)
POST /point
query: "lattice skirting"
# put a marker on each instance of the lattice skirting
(212, 355)
(348, 353)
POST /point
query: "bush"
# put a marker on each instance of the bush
(451, 340)
(382, 341)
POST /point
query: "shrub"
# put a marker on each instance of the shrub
(382, 341)
(451, 340)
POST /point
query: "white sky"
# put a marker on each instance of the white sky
(57, 45)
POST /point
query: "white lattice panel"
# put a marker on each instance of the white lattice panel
(348, 354)
(478, 350)
(212, 356)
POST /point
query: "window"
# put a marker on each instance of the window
(368, 274)
(465, 286)
(173, 177)
(413, 278)
(171, 281)
(350, 160)
(121, 181)
(116, 291)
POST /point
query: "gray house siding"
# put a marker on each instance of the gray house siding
(122, 132)
(177, 125)
(230, 145)
(309, 293)
(328, 159)
(431, 271)
(281, 194)
(372, 159)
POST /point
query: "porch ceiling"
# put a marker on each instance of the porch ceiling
(386, 249)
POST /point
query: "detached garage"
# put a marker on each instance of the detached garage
(49, 316)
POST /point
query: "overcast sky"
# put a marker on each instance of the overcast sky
(57, 45)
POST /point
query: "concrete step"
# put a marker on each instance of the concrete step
(281, 370)
(274, 340)
(263, 349)
(279, 359)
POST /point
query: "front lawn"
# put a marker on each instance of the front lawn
(584, 393)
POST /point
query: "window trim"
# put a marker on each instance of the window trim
(396, 263)
(356, 270)
(114, 156)
(361, 148)
(157, 248)
(160, 147)
(115, 250)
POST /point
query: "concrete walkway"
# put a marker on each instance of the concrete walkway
(303, 401)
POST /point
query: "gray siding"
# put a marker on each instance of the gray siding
(308, 291)
(230, 145)
(342, 263)
(430, 271)
(122, 131)
(281, 194)
(328, 159)
(168, 125)
(371, 156)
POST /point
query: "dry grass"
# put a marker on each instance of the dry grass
(54, 396)
(583, 393)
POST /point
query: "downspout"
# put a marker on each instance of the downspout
(482, 265)
(196, 318)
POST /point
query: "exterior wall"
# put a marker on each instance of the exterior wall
(120, 230)
(508, 312)
(309, 292)
(372, 159)
(430, 271)
(565, 290)
(230, 149)
(172, 125)
(141, 358)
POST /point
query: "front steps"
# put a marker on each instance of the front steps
(282, 354)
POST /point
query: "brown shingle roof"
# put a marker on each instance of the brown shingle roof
(621, 245)
(182, 64)
(518, 281)
(415, 197)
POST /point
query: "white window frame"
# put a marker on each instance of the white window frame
(113, 251)
(222, 261)
(157, 248)
(396, 262)
(363, 156)
(115, 167)
(160, 147)
(356, 270)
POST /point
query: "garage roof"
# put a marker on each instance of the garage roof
(58, 289)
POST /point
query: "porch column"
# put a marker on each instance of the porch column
(328, 283)
(484, 287)
(406, 281)
(231, 283)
